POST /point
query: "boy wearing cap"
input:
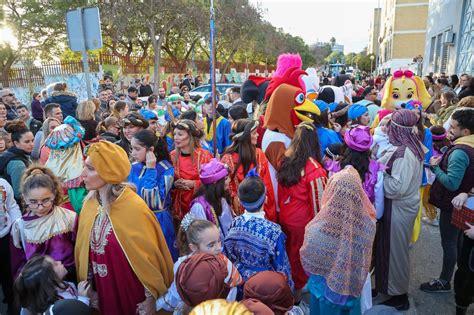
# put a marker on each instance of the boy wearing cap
(253, 243)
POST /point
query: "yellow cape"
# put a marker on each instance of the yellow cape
(140, 236)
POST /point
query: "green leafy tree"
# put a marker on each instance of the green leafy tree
(335, 57)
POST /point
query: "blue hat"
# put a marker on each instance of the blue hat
(148, 114)
(322, 105)
(355, 111)
(332, 106)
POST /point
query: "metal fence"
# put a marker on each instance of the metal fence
(35, 75)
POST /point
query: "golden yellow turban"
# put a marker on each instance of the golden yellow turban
(110, 161)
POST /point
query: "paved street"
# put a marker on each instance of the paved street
(426, 263)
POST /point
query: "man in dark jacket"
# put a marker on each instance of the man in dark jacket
(454, 175)
(66, 99)
(7, 97)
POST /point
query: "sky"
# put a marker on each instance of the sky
(318, 20)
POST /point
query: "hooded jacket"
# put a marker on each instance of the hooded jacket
(67, 100)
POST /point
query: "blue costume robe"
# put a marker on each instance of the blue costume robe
(223, 130)
(254, 244)
(154, 186)
(326, 138)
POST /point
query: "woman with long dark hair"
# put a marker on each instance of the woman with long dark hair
(16, 159)
(153, 175)
(211, 200)
(243, 155)
(131, 124)
(301, 176)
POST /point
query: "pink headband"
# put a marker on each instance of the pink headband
(440, 137)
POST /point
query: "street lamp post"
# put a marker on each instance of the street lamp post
(371, 64)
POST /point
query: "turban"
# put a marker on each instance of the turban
(272, 289)
(355, 111)
(201, 277)
(221, 307)
(110, 161)
(212, 172)
(358, 138)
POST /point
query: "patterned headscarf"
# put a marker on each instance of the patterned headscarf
(403, 133)
(338, 241)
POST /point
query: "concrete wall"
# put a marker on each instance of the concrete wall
(442, 15)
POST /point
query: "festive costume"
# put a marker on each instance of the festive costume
(210, 174)
(121, 244)
(287, 107)
(186, 168)
(67, 162)
(52, 234)
(338, 246)
(255, 244)
(263, 171)
(172, 301)
(270, 288)
(359, 139)
(202, 277)
(400, 88)
(298, 206)
(402, 198)
(154, 186)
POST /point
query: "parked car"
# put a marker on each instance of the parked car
(203, 90)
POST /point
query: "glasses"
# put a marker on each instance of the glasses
(44, 203)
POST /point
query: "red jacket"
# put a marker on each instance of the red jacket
(300, 202)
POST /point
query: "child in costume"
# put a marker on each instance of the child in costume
(46, 228)
(66, 161)
(337, 247)
(254, 243)
(198, 237)
(153, 176)
(211, 200)
(242, 156)
(381, 144)
(427, 139)
(203, 277)
(301, 182)
(41, 283)
(271, 288)
(357, 154)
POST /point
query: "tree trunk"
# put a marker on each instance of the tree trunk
(227, 63)
(6, 70)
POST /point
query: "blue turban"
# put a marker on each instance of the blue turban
(148, 114)
(355, 111)
(322, 105)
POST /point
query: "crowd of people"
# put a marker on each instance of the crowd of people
(128, 206)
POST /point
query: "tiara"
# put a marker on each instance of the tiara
(187, 220)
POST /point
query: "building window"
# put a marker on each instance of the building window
(432, 48)
(437, 63)
(444, 58)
